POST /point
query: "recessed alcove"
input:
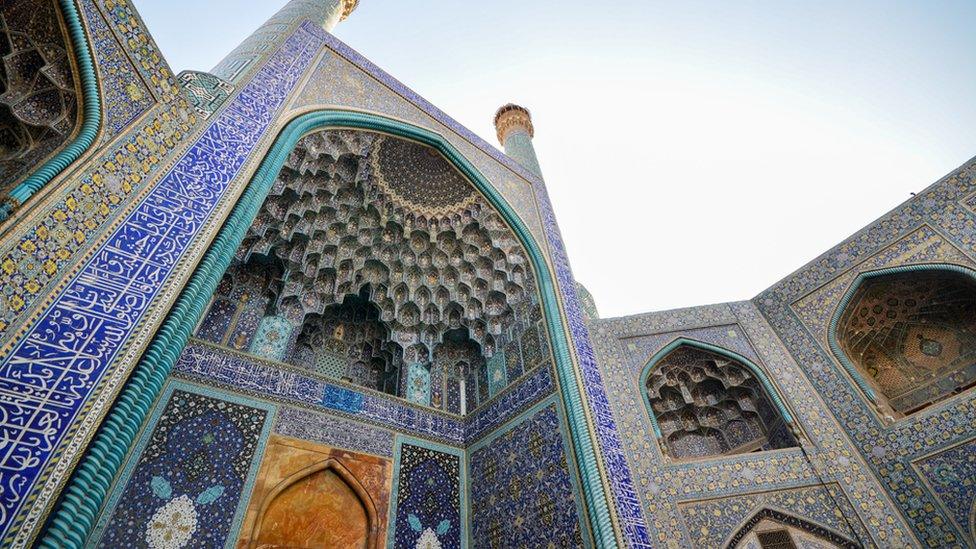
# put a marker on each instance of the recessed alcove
(911, 334)
(706, 404)
(38, 88)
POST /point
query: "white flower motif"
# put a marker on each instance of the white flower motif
(428, 540)
(172, 524)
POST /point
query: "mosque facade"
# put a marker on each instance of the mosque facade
(290, 303)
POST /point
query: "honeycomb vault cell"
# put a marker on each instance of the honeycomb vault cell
(38, 98)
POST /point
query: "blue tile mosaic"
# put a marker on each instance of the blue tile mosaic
(185, 481)
(521, 488)
(951, 474)
(427, 498)
(244, 373)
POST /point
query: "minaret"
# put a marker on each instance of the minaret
(325, 13)
(514, 126)
(340, 9)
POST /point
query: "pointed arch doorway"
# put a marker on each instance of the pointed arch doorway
(323, 505)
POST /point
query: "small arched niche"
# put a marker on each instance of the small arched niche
(321, 506)
(707, 403)
(911, 333)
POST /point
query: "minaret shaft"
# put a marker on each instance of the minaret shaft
(325, 13)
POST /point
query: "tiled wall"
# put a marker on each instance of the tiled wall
(670, 488)
(522, 489)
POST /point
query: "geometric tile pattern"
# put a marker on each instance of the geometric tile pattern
(951, 474)
(712, 522)
(428, 498)
(521, 489)
(186, 478)
(125, 95)
(799, 308)
(529, 390)
(145, 55)
(626, 345)
(64, 357)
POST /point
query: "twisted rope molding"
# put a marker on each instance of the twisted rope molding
(91, 117)
(75, 517)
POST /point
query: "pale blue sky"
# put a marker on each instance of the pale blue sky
(696, 152)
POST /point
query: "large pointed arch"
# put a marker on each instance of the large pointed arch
(770, 389)
(88, 487)
(90, 105)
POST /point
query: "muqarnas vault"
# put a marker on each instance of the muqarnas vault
(290, 303)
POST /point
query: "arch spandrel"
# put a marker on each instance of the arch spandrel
(344, 78)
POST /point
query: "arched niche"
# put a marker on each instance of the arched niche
(323, 505)
(771, 528)
(704, 401)
(39, 88)
(907, 335)
(379, 264)
(172, 336)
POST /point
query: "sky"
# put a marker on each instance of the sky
(695, 152)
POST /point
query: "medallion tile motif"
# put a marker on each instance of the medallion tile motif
(186, 484)
(428, 498)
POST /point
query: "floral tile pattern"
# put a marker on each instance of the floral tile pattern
(428, 498)
(185, 483)
(521, 488)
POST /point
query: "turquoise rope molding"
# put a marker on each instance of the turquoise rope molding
(683, 341)
(839, 353)
(76, 514)
(91, 117)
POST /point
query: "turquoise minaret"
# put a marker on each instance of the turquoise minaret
(325, 13)
(514, 127)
